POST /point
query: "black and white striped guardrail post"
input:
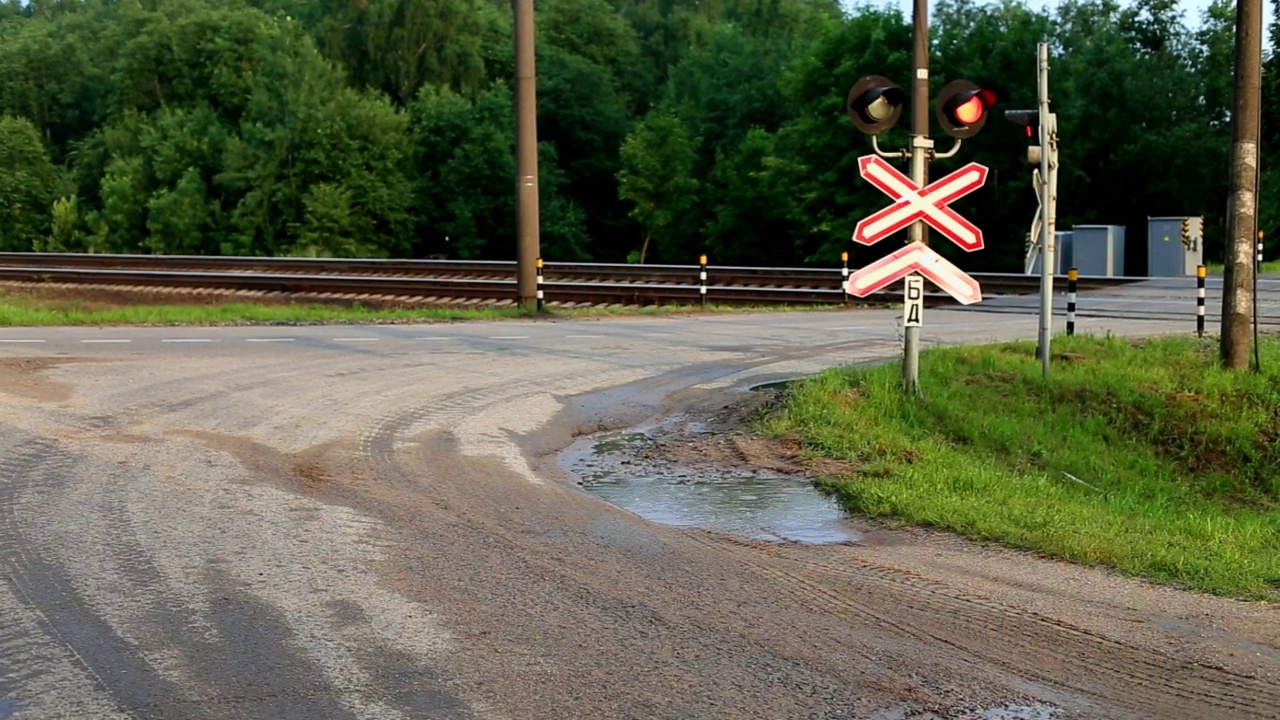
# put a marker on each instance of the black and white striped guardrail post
(844, 276)
(1200, 273)
(538, 265)
(1259, 265)
(702, 278)
(1072, 276)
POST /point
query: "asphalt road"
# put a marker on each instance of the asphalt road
(1166, 299)
(368, 522)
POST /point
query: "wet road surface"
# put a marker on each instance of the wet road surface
(369, 522)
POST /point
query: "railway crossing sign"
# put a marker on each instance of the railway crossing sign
(913, 307)
(916, 257)
(912, 203)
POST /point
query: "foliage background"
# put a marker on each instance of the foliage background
(385, 127)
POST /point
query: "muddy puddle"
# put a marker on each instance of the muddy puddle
(1008, 712)
(626, 470)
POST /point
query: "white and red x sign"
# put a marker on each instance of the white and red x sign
(929, 204)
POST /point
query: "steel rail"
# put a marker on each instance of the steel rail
(476, 280)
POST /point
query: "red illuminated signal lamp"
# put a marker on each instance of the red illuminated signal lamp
(1030, 119)
(962, 108)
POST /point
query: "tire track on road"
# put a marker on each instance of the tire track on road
(1014, 639)
(30, 472)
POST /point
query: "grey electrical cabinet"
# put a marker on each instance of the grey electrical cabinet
(1063, 254)
(1175, 246)
(1098, 250)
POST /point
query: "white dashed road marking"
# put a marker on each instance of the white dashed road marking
(21, 340)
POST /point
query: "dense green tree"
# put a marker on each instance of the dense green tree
(465, 197)
(1137, 142)
(594, 31)
(54, 71)
(400, 45)
(584, 119)
(750, 206)
(27, 183)
(727, 86)
(995, 45)
(64, 235)
(817, 150)
(350, 127)
(656, 177)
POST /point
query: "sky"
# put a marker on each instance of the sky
(1191, 10)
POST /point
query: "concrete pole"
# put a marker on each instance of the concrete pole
(527, 239)
(1237, 296)
(1048, 198)
(921, 145)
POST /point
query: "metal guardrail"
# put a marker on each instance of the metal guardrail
(458, 280)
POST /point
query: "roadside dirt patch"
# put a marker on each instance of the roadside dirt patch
(722, 436)
(25, 377)
(322, 471)
(126, 438)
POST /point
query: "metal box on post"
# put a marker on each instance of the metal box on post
(1063, 255)
(1098, 250)
(1175, 246)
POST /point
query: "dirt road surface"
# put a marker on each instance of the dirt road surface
(371, 522)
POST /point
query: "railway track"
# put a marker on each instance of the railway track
(452, 282)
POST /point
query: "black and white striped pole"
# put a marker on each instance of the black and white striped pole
(1200, 273)
(538, 265)
(702, 278)
(844, 276)
(1072, 276)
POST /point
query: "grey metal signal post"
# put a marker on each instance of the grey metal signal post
(1044, 178)
(1048, 203)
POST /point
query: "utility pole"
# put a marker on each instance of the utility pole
(1048, 204)
(1242, 218)
(527, 249)
(921, 147)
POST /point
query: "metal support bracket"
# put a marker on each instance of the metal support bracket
(895, 155)
(954, 149)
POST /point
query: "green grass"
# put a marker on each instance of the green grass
(1146, 458)
(28, 310)
(1270, 267)
(23, 314)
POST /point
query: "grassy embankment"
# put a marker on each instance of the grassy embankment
(1144, 457)
(26, 310)
(1270, 267)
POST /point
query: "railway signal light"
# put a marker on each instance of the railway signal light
(875, 104)
(962, 108)
(1031, 120)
